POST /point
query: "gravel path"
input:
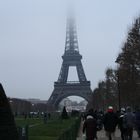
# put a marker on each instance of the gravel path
(101, 134)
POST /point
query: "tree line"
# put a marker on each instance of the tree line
(121, 86)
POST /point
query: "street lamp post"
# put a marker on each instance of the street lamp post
(119, 96)
(11, 105)
(118, 85)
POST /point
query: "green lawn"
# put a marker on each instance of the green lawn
(40, 131)
(23, 122)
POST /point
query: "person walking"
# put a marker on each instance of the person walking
(121, 123)
(110, 122)
(90, 127)
(45, 117)
(137, 122)
(129, 123)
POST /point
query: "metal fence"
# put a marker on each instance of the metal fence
(23, 132)
(71, 133)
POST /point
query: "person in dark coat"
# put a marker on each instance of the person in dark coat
(121, 123)
(90, 127)
(129, 121)
(137, 122)
(110, 122)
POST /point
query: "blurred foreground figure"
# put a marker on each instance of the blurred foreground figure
(8, 129)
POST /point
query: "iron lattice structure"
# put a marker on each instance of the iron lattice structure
(71, 57)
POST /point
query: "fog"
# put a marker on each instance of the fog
(32, 41)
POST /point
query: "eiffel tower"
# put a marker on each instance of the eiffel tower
(71, 57)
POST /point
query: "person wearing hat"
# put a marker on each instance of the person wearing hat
(121, 123)
(129, 121)
(110, 122)
(90, 127)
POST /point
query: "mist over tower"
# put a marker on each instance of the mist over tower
(71, 55)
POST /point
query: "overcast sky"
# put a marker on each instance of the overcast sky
(32, 41)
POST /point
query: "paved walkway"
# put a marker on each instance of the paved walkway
(101, 134)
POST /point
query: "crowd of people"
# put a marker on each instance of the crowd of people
(125, 119)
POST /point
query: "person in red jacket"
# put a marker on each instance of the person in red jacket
(110, 122)
(90, 127)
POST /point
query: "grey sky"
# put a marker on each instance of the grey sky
(32, 41)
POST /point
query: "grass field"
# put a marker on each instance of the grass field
(40, 131)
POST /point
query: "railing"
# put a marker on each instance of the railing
(71, 133)
(23, 132)
(71, 83)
